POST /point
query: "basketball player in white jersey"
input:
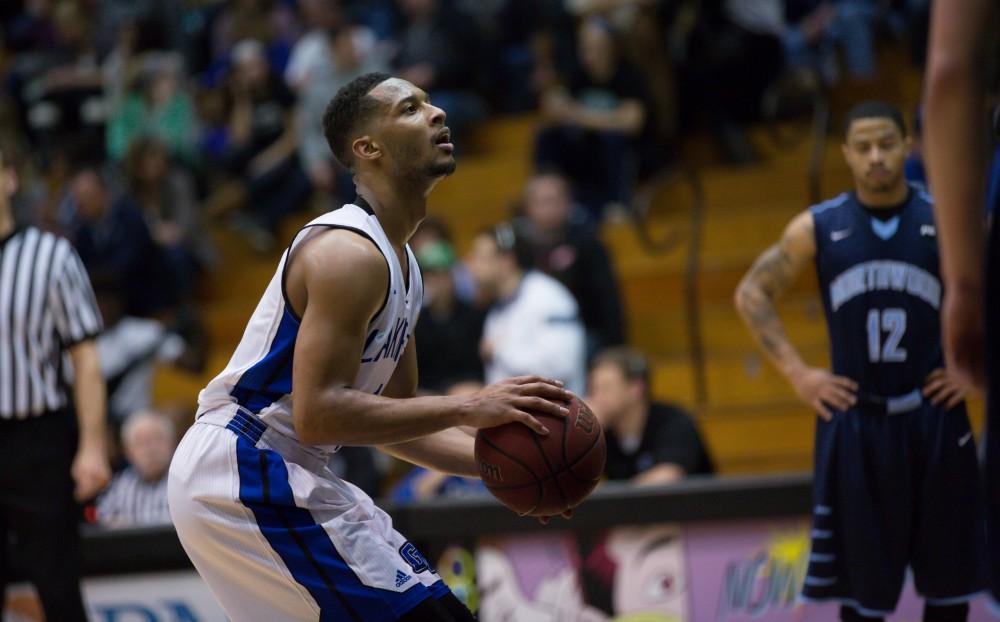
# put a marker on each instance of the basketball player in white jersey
(328, 359)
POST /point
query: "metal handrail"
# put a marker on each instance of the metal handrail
(642, 208)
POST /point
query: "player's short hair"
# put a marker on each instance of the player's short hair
(874, 109)
(509, 237)
(631, 362)
(349, 110)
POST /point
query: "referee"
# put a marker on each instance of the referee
(48, 460)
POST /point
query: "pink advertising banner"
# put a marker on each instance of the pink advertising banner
(746, 571)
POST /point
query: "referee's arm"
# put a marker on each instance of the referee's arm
(77, 324)
(91, 470)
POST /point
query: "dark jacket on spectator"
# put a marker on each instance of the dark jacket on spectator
(579, 261)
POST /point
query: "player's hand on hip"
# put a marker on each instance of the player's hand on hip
(964, 330)
(822, 390)
(91, 472)
(514, 400)
(946, 387)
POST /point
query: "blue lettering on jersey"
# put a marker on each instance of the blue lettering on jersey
(395, 342)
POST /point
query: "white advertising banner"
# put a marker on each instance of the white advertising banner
(156, 597)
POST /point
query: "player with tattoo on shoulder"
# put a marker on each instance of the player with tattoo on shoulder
(896, 480)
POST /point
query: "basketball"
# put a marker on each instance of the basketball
(537, 475)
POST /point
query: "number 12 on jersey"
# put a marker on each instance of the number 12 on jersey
(893, 322)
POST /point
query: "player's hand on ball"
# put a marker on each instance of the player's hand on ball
(822, 389)
(945, 387)
(513, 400)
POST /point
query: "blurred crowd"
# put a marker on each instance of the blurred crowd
(148, 121)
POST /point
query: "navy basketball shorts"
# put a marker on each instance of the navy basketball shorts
(893, 492)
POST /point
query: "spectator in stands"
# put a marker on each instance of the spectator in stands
(271, 22)
(734, 53)
(438, 52)
(130, 347)
(566, 247)
(641, 27)
(648, 442)
(595, 118)
(433, 230)
(138, 495)
(262, 144)
(534, 325)
(117, 248)
(819, 28)
(157, 106)
(58, 85)
(165, 195)
(449, 330)
(420, 483)
(332, 54)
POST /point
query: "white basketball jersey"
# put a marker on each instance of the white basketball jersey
(259, 375)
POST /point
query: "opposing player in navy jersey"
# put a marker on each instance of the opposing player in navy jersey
(955, 101)
(328, 359)
(896, 480)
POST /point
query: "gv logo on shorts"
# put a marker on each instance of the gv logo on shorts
(413, 557)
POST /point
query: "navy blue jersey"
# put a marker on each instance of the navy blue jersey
(881, 292)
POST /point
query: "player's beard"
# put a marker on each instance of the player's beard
(441, 168)
(435, 167)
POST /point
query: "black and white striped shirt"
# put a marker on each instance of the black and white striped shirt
(46, 306)
(131, 500)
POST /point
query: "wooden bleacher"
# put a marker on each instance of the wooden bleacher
(751, 419)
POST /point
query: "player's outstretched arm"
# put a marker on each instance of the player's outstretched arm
(770, 276)
(338, 282)
(956, 155)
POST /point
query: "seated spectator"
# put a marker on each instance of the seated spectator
(819, 28)
(421, 483)
(566, 247)
(129, 349)
(534, 325)
(321, 52)
(433, 230)
(138, 495)
(449, 330)
(57, 85)
(166, 197)
(262, 143)
(271, 22)
(438, 52)
(327, 58)
(157, 106)
(117, 248)
(735, 54)
(595, 119)
(648, 442)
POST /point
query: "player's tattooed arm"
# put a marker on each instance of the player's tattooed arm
(771, 275)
